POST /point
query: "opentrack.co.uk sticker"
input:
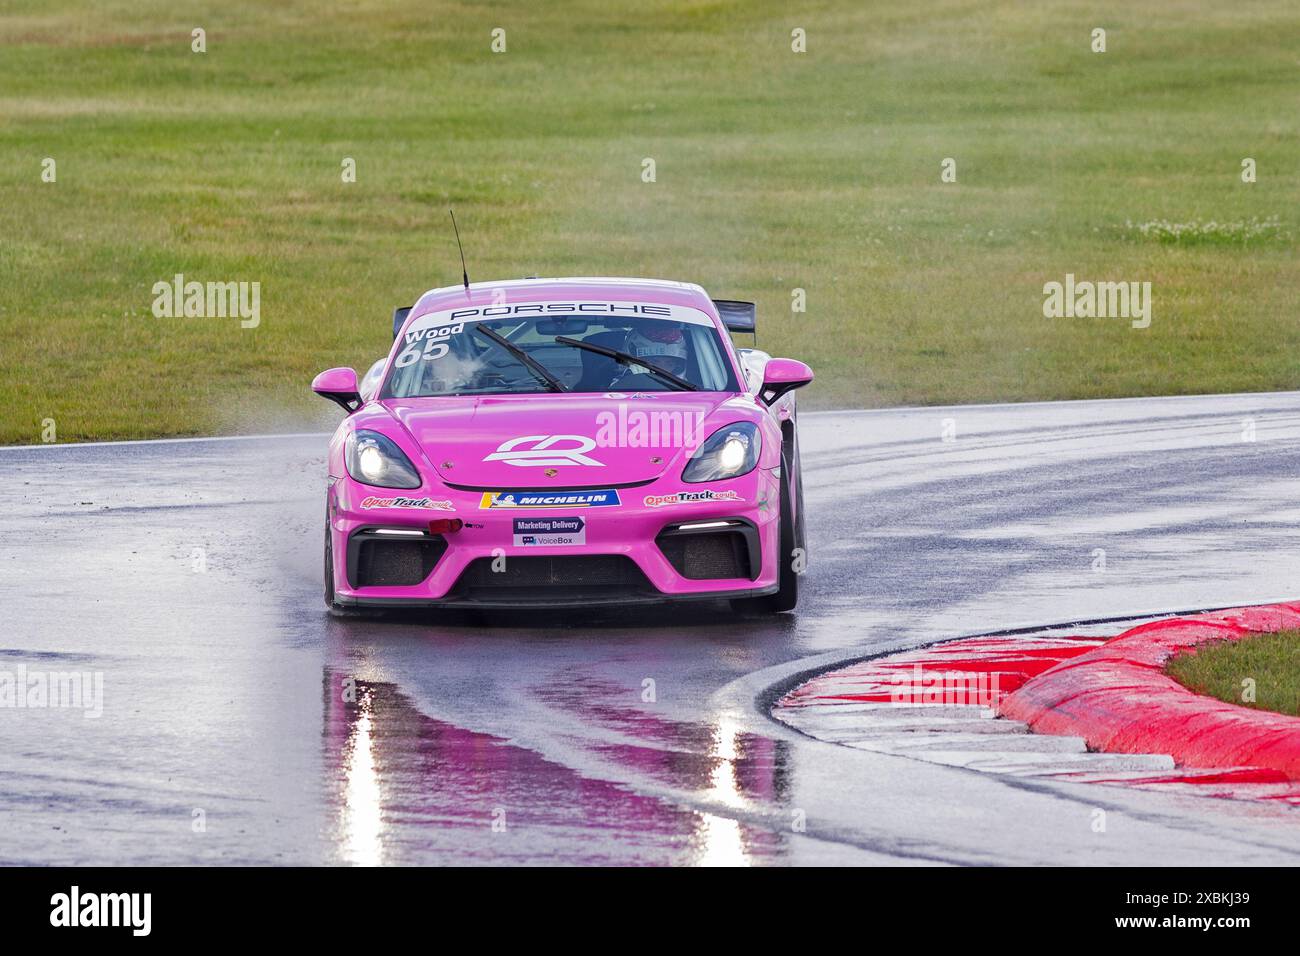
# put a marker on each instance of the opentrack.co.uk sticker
(602, 498)
(690, 497)
(429, 504)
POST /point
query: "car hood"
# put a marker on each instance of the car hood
(559, 441)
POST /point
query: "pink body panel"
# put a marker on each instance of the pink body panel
(452, 441)
(628, 529)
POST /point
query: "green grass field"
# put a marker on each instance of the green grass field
(775, 170)
(1271, 660)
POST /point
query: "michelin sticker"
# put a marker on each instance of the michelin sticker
(549, 532)
(604, 498)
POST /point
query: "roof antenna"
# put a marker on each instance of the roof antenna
(464, 273)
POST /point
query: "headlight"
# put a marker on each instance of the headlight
(728, 453)
(373, 459)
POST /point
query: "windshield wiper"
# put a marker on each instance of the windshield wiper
(625, 358)
(530, 363)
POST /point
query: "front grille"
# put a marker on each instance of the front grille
(551, 577)
(719, 554)
(397, 563)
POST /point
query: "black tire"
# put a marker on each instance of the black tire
(800, 525)
(335, 609)
(787, 595)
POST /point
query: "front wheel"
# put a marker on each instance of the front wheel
(336, 609)
(788, 557)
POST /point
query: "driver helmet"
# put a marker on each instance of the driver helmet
(661, 343)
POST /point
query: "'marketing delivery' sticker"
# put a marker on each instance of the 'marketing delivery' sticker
(549, 532)
(602, 498)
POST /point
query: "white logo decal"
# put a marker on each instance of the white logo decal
(542, 453)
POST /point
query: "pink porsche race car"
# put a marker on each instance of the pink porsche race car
(566, 442)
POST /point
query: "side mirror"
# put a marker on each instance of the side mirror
(782, 375)
(339, 385)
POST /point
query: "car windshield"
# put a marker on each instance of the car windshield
(442, 354)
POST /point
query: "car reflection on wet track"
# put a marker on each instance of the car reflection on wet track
(408, 786)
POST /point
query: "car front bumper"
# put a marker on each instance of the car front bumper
(505, 556)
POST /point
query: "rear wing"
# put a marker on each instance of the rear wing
(737, 316)
(399, 317)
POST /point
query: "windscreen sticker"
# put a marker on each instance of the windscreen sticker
(455, 318)
(690, 497)
(428, 504)
(603, 498)
(549, 532)
(427, 344)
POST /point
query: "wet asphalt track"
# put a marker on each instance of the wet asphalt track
(222, 687)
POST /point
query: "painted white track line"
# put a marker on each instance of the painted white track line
(165, 441)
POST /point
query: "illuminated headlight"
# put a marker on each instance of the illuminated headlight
(728, 453)
(373, 459)
(372, 462)
(733, 453)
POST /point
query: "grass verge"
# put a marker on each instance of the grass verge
(1266, 667)
(775, 171)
